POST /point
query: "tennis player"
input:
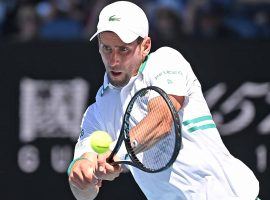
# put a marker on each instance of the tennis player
(204, 169)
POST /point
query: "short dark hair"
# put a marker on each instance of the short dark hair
(139, 40)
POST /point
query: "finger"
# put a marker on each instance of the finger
(112, 168)
(76, 181)
(77, 175)
(89, 176)
(112, 172)
(110, 176)
(102, 163)
(84, 175)
(117, 167)
(91, 166)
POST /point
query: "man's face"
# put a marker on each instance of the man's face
(121, 60)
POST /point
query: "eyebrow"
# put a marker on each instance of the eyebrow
(117, 46)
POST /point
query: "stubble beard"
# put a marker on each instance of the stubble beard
(119, 82)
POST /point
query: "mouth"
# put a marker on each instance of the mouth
(116, 74)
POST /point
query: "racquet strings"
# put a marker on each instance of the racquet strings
(156, 149)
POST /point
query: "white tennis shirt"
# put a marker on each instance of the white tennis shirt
(204, 169)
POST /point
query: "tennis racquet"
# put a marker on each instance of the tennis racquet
(151, 131)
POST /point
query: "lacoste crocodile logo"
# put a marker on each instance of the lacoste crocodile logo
(113, 18)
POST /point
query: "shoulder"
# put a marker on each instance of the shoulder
(166, 53)
(166, 50)
(94, 108)
(167, 57)
(90, 111)
(90, 121)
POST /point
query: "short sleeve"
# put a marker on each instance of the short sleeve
(90, 123)
(168, 70)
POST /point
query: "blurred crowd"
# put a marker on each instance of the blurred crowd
(26, 20)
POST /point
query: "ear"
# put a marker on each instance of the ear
(99, 43)
(146, 46)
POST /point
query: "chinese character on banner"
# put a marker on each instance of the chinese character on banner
(51, 108)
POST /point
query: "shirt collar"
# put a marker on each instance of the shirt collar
(143, 64)
(105, 84)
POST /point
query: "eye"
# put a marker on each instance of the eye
(123, 49)
(106, 49)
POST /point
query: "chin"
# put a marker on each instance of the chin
(118, 83)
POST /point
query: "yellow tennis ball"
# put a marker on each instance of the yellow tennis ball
(100, 141)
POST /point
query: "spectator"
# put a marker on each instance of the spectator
(172, 19)
(63, 22)
(93, 8)
(209, 22)
(249, 20)
(27, 23)
(3, 11)
(167, 25)
(262, 22)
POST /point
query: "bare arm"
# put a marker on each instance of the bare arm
(157, 123)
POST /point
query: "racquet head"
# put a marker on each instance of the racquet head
(151, 131)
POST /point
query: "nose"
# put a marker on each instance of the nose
(114, 59)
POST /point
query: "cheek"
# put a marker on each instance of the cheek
(104, 59)
(137, 61)
(134, 67)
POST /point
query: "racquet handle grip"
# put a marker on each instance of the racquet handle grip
(110, 159)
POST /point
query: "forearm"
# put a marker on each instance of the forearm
(158, 122)
(84, 194)
(154, 126)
